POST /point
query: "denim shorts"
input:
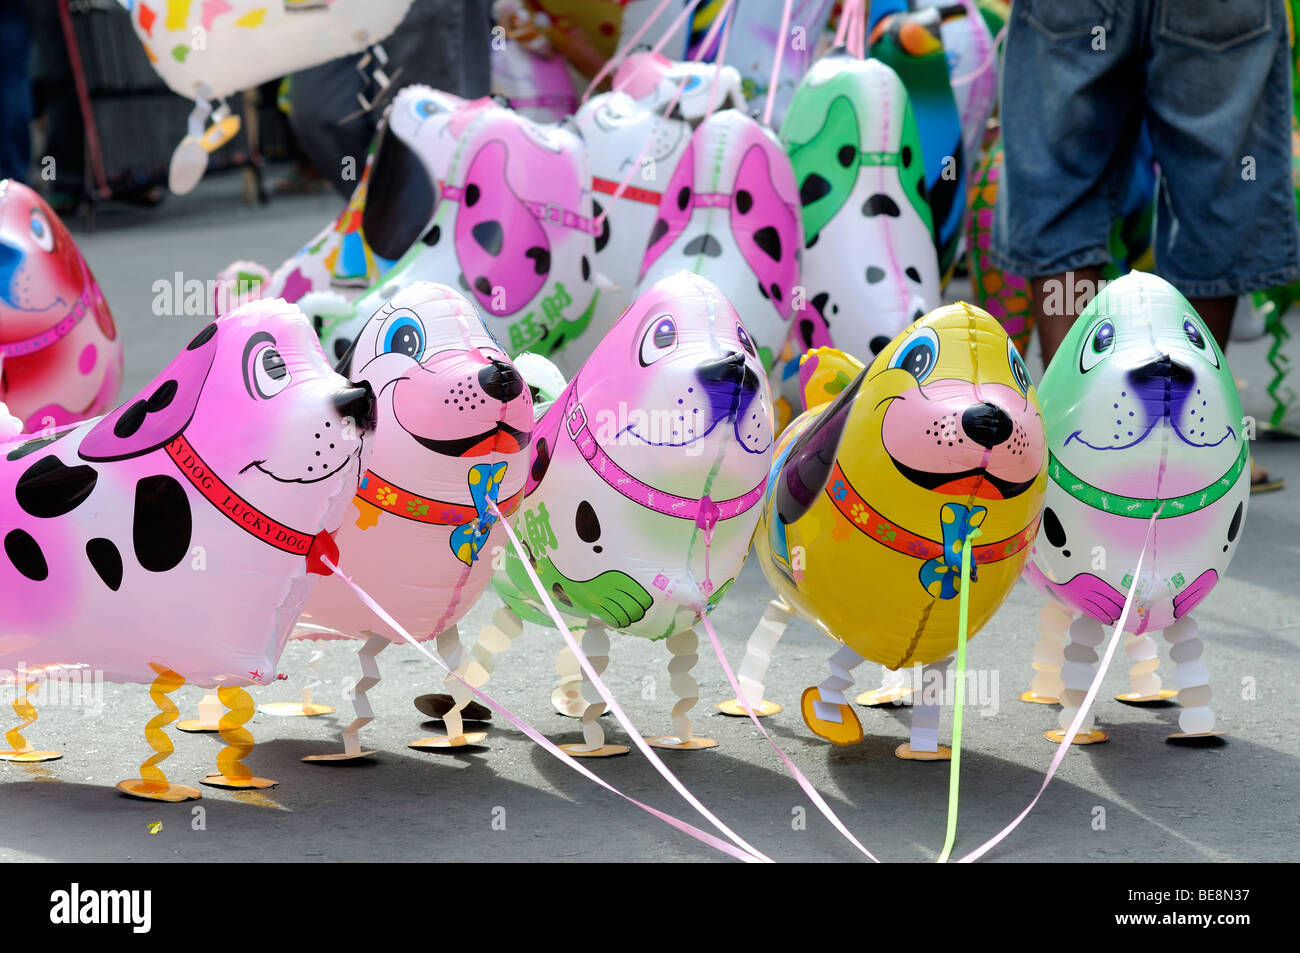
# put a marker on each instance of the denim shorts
(1211, 79)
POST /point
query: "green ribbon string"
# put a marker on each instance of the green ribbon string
(963, 625)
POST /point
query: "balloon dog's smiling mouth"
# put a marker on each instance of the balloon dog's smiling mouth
(257, 464)
(1078, 435)
(503, 438)
(977, 481)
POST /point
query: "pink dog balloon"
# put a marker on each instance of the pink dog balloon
(643, 492)
(512, 226)
(730, 213)
(182, 532)
(452, 434)
(61, 354)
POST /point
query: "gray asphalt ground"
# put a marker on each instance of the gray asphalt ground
(1232, 802)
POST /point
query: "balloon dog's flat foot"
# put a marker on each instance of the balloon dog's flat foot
(595, 751)
(444, 743)
(29, 756)
(295, 709)
(1159, 698)
(437, 705)
(237, 784)
(763, 709)
(1198, 739)
(1036, 699)
(1094, 737)
(847, 732)
(159, 790)
(674, 743)
(879, 697)
(195, 725)
(906, 752)
(336, 757)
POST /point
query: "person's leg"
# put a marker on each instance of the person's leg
(1219, 111)
(1071, 85)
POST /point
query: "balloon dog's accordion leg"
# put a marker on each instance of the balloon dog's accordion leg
(1193, 680)
(19, 749)
(758, 656)
(1077, 673)
(364, 714)
(566, 697)
(684, 647)
(893, 689)
(595, 645)
(1046, 687)
(1144, 682)
(152, 784)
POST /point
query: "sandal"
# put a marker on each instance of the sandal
(1259, 481)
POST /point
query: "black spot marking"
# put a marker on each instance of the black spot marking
(683, 198)
(814, 187)
(471, 195)
(1235, 526)
(806, 332)
(48, 488)
(819, 302)
(907, 157)
(341, 347)
(705, 245)
(541, 259)
(922, 189)
(603, 238)
(161, 528)
(586, 524)
(878, 343)
(875, 274)
(744, 201)
(846, 155)
(775, 292)
(586, 269)
(106, 561)
(434, 234)
(463, 283)
(202, 338)
(763, 291)
(131, 420)
(490, 236)
(482, 285)
(36, 443)
(25, 553)
(541, 459)
(558, 591)
(658, 232)
(880, 204)
(768, 239)
(163, 396)
(812, 241)
(1053, 528)
(912, 273)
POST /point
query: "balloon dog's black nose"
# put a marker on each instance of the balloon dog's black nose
(358, 403)
(987, 424)
(500, 381)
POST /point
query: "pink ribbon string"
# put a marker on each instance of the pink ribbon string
(621, 54)
(798, 775)
(782, 38)
(1064, 748)
(613, 704)
(748, 856)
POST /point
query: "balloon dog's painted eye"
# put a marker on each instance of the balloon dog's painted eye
(660, 339)
(1097, 345)
(405, 335)
(1196, 336)
(265, 373)
(918, 354)
(1018, 369)
(42, 234)
(745, 342)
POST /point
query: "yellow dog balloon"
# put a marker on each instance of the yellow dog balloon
(873, 491)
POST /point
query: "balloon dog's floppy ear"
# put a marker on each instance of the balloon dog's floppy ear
(147, 423)
(808, 464)
(401, 197)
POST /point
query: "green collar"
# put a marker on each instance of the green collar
(1139, 508)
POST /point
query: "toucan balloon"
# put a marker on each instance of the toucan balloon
(730, 213)
(60, 350)
(1143, 418)
(881, 480)
(912, 45)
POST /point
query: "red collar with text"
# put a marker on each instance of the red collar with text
(391, 498)
(248, 517)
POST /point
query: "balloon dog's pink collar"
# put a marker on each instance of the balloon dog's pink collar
(61, 329)
(248, 517)
(547, 212)
(705, 512)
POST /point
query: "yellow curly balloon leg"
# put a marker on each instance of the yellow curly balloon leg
(152, 783)
(231, 770)
(19, 748)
